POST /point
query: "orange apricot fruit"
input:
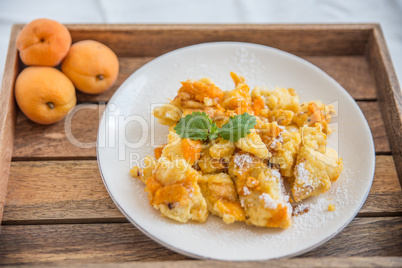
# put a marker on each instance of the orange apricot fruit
(44, 94)
(43, 42)
(91, 66)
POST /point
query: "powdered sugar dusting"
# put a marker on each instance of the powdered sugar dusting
(241, 160)
(271, 203)
(246, 191)
(254, 182)
(268, 201)
(302, 174)
(300, 209)
(276, 173)
(276, 141)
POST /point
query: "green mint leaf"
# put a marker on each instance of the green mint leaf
(237, 127)
(213, 132)
(195, 126)
(198, 126)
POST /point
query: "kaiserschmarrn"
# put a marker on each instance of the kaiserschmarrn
(282, 158)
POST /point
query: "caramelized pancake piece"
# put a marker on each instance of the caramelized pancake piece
(282, 117)
(238, 99)
(313, 137)
(144, 173)
(208, 164)
(202, 89)
(178, 148)
(314, 112)
(221, 148)
(261, 192)
(173, 189)
(279, 98)
(252, 143)
(167, 114)
(221, 196)
(314, 172)
(286, 155)
(215, 156)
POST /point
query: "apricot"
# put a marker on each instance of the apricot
(44, 94)
(43, 42)
(91, 66)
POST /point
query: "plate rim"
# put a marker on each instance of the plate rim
(233, 43)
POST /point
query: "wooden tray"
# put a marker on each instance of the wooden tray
(58, 211)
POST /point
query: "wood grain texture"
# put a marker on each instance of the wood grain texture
(33, 141)
(385, 193)
(122, 242)
(372, 112)
(389, 93)
(154, 40)
(293, 262)
(73, 191)
(7, 117)
(365, 237)
(57, 190)
(351, 72)
(52, 141)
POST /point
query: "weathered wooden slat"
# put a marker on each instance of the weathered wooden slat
(352, 72)
(57, 190)
(385, 196)
(33, 141)
(73, 191)
(384, 233)
(154, 40)
(372, 112)
(292, 262)
(7, 117)
(79, 243)
(385, 176)
(122, 242)
(382, 205)
(49, 142)
(389, 93)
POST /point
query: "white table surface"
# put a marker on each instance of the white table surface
(386, 12)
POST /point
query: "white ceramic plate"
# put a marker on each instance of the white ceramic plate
(128, 132)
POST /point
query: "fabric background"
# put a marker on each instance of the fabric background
(386, 12)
